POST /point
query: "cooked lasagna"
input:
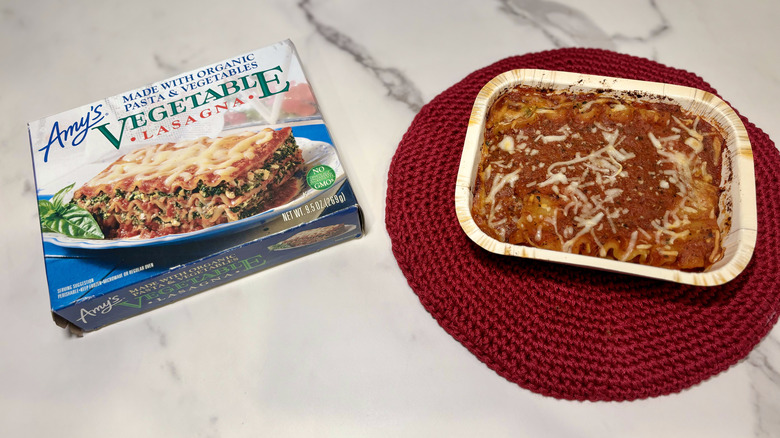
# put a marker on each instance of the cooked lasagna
(619, 176)
(193, 184)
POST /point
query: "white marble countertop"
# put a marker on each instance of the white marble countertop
(346, 350)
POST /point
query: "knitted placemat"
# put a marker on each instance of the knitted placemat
(563, 331)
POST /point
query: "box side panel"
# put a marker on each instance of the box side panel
(190, 279)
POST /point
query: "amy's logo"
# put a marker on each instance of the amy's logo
(74, 134)
(102, 308)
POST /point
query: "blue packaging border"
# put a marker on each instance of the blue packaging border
(200, 275)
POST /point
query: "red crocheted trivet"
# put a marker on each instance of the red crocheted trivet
(558, 330)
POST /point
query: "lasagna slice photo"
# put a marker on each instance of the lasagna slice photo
(193, 184)
(310, 237)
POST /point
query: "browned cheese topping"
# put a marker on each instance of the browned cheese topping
(618, 177)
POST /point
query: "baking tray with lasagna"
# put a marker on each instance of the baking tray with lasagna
(642, 178)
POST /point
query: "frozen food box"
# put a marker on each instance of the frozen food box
(176, 187)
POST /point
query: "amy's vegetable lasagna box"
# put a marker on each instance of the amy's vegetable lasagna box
(165, 191)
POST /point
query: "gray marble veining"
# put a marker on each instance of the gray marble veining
(398, 86)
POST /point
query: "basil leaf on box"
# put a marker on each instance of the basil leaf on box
(68, 219)
(74, 221)
(46, 210)
(56, 200)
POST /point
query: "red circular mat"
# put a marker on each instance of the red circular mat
(563, 331)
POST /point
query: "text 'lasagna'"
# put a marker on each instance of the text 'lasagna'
(612, 176)
(193, 184)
